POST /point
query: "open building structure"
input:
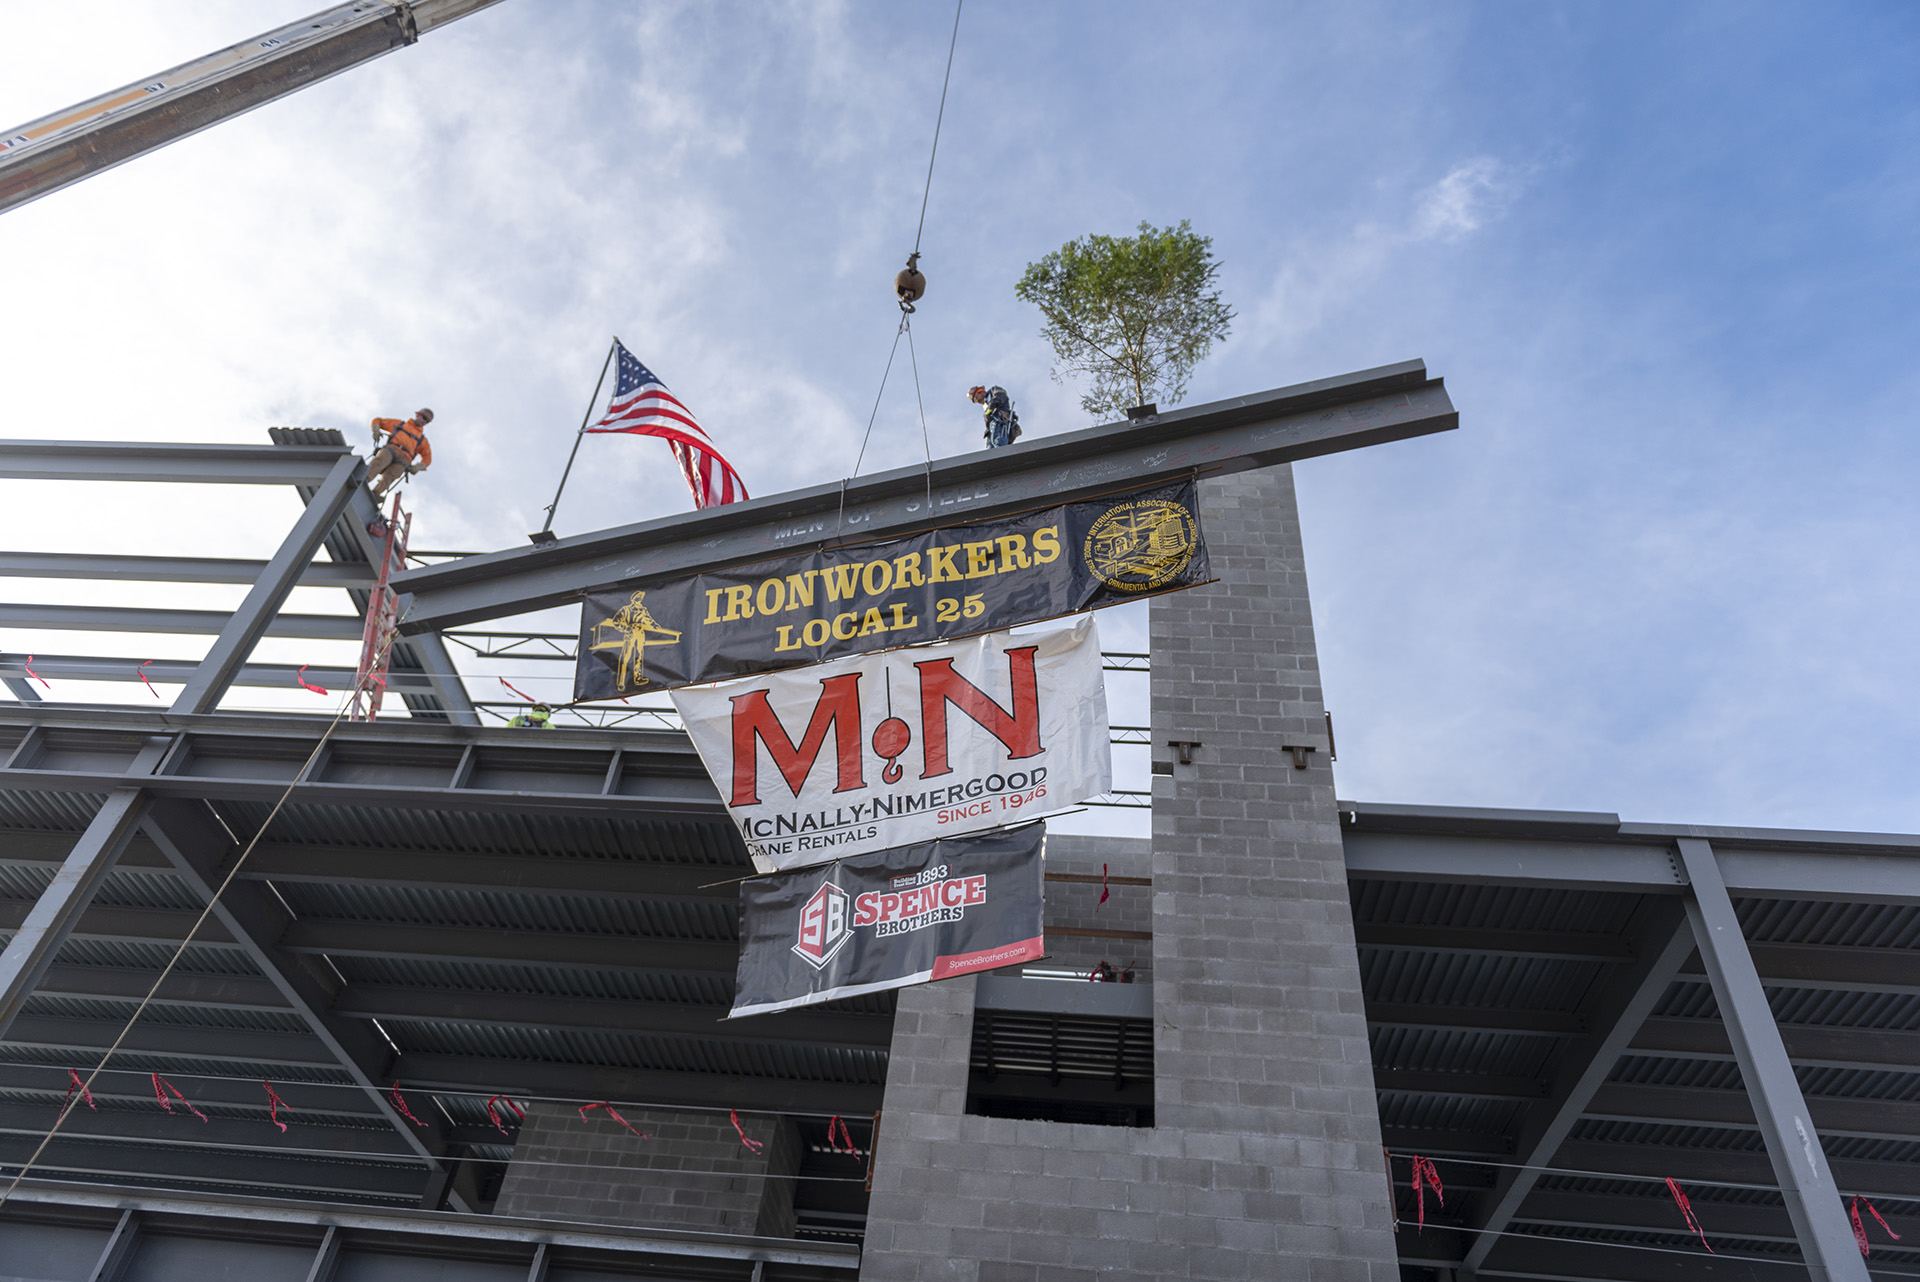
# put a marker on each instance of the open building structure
(454, 937)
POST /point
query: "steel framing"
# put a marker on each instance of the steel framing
(1393, 402)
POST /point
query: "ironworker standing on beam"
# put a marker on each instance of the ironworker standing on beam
(1003, 425)
(405, 453)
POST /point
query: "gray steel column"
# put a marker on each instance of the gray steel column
(53, 915)
(236, 641)
(1799, 1164)
(112, 1264)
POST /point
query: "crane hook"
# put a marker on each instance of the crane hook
(910, 284)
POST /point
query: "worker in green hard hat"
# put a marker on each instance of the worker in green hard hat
(538, 717)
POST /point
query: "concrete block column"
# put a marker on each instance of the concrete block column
(1265, 1157)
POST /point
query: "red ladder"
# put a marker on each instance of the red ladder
(383, 609)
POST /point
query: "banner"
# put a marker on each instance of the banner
(955, 582)
(887, 920)
(890, 749)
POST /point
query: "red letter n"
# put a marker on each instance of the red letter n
(1019, 730)
(753, 719)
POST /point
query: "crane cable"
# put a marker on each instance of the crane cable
(906, 304)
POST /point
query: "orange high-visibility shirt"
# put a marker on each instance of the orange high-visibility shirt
(406, 440)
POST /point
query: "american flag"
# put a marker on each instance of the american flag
(642, 405)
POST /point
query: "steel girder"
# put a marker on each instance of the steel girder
(90, 137)
(1848, 867)
(480, 1075)
(1392, 402)
(111, 618)
(167, 461)
(214, 1217)
(170, 569)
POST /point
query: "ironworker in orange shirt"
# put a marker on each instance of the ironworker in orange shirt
(405, 453)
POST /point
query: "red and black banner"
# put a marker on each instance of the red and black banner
(955, 582)
(897, 917)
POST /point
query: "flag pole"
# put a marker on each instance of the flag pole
(546, 534)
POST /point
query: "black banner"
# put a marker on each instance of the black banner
(893, 918)
(955, 582)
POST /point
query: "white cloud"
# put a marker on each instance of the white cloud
(1470, 196)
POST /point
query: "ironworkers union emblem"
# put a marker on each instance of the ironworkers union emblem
(1142, 545)
(824, 926)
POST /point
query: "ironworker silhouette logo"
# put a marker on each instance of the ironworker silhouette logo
(1141, 545)
(628, 632)
(824, 926)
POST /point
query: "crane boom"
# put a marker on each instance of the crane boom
(56, 151)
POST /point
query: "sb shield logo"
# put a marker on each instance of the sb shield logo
(824, 926)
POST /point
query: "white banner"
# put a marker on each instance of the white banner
(884, 750)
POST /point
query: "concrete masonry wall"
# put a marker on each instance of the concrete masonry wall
(1265, 1161)
(691, 1173)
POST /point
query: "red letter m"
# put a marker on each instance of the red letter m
(753, 719)
(1018, 730)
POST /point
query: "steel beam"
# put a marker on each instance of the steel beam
(198, 849)
(1370, 407)
(22, 687)
(1699, 1106)
(59, 908)
(395, 1003)
(334, 1103)
(96, 1162)
(1655, 1162)
(227, 1215)
(1545, 945)
(486, 944)
(243, 1046)
(1661, 943)
(166, 461)
(1576, 1260)
(111, 618)
(633, 881)
(56, 151)
(1828, 966)
(1413, 1081)
(1799, 1163)
(1486, 1019)
(180, 1129)
(170, 569)
(282, 676)
(1807, 1045)
(249, 623)
(485, 1076)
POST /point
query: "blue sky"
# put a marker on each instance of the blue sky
(1663, 255)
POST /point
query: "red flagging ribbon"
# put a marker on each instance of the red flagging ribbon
(519, 1114)
(1425, 1177)
(141, 672)
(1686, 1209)
(162, 1088)
(749, 1141)
(73, 1075)
(274, 1105)
(1103, 885)
(833, 1139)
(400, 1102)
(614, 1113)
(28, 665)
(522, 693)
(301, 677)
(1860, 1232)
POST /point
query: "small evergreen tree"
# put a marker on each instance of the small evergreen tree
(1133, 313)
